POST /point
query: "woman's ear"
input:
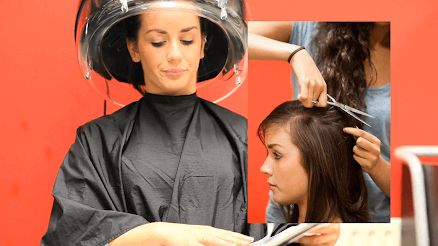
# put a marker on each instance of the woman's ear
(133, 50)
(203, 41)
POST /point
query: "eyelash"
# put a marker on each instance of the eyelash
(276, 156)
(187, 42)
(159, 44)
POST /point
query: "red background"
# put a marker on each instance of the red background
(44, 97)
(414, 100)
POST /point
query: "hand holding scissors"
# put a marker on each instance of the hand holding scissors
(313, 89)
(347, 109)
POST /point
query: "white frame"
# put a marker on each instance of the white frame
(410, 157)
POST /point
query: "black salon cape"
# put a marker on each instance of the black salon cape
(164, 158)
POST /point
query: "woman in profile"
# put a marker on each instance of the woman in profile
(351, 62)
(310, 165)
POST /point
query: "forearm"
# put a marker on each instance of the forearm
(262, 48)
(146, 234)
(381, 174)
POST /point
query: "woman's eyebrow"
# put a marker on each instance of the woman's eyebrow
(187, 29)
(161, 31)
(156, 30)
(270, 146)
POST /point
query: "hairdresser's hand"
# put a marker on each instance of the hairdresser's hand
(312, 84)
(367, 148)
(367, 154)
(188, 235)
(326, 235)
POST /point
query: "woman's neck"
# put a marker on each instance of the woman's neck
(378, 73)
(378, 35)
(302, 208)
(336, 219)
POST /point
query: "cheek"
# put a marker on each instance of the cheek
(151, 57)
(292, 175)
(193, 54)
(303, 179)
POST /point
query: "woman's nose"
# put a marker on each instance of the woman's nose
(266, 167)
(174, 52)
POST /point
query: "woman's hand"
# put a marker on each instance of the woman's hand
(268, 40)
(188, 235)
(312, 84)
(173, 234)
(367, 154)
(326, 235)
(367, 148)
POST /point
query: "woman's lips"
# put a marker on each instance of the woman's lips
(174, 73)
(271, 185)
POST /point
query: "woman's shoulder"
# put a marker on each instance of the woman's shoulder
(112, 124)
(303, 32)
(304, 25)
(225, 113)
(229, 118)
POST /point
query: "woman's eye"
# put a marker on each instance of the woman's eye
(186, 42)
(158, 44)
(276, 156)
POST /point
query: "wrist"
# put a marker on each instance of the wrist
(375, 169)
(295, 51)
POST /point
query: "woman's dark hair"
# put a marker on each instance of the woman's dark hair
(336, 182)
(342, 50)
(131, 26)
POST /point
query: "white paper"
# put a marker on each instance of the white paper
(289, 235)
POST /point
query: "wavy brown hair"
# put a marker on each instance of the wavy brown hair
(336, 183)
(343, 48)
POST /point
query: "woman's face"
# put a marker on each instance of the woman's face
(169, 47)
(287, 177)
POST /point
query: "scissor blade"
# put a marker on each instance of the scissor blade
(357, 118)
(349, 110)
(333, 104)
(358, 111)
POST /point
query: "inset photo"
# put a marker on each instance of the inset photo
(319, 121)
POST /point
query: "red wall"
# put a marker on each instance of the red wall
(44, 97)
(414, 84)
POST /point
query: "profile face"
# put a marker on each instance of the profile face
(169, 47)
(287, 178)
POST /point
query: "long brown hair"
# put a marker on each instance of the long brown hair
(342, 50)
(336, 183)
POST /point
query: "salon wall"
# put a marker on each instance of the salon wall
(43, 99)
(414, 99)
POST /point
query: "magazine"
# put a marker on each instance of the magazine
(287, 236)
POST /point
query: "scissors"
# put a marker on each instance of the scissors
(347, 109)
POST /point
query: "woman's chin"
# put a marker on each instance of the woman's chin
(281, 200)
